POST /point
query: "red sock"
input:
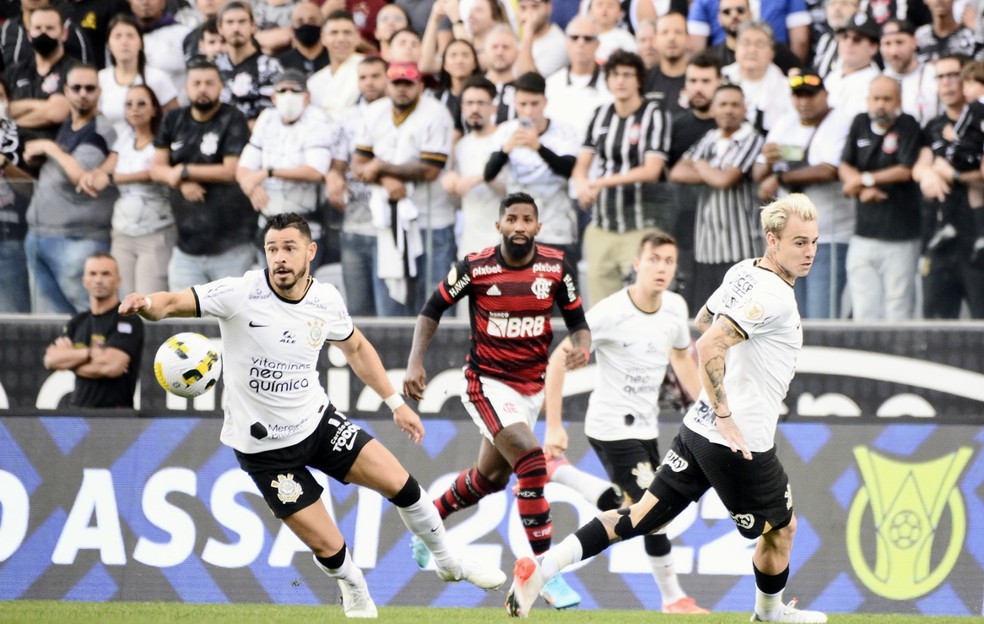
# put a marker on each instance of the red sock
(534, 510)
(469, 488)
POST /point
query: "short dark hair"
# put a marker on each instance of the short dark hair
(50, 8)
(403, 30)
(235, 5)
(288, 220)
(728, 86)
(531, 82)
(621, 58)
(372, 58)
(340, 15)
(200, 61)
(656, 238)
(518, 198)
(480, 82)
(705, 59)
(210, 26)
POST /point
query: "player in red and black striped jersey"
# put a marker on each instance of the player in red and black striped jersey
(512, 289)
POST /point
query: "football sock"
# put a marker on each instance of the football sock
(534, 510)
(468, 488)
(768, 590)
(340, 566)
(666, 578)
(587, 485)
(421, 517)
(565, 553)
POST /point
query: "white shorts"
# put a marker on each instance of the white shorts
(494, 405)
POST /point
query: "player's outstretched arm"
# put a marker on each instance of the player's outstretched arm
(685, 369)
(712, 348)
(160, 305)
(415, 380)
(555, 439)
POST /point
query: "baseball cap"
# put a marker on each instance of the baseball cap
(291, 75)
(404, 70)
(863, 25)
(895, 26)
(806, 83)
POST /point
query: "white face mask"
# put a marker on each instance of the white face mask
(290, 106)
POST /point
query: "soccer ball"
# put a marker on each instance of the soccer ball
(905, 529)
(187, 365)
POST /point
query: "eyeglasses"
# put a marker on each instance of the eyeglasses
(137, 103)
(808, 80)
(282, 90)
(88, 88)
(584, 38)
(739, 10)
(948, 76)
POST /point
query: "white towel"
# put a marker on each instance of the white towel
(390, 253)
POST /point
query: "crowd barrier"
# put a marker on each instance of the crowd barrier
(882, 442)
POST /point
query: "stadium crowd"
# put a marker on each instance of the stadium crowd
(166, 132)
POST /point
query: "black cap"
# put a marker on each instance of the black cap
(806, 83)
(291, 75)
(895, 26)
(863, 25)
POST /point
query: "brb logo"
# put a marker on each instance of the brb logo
(501, 325)
(906, 501)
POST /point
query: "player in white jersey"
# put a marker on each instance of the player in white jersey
(279, 419)
(636, 333)
(747, 357)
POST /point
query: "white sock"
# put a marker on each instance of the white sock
(348, 571)
(560, 556)
(587, 485)
(423, 521)
(766, 604)
(666, 579)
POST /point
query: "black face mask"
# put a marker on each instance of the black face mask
(307, 34)
(44, 45)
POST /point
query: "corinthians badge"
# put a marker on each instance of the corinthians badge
(288, 490)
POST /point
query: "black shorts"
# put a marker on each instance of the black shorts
(282, 475)
(756, 493)
(630, 464)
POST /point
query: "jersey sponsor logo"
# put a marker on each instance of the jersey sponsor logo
(754, 311)
(862, 143)
(459, 286)
(634, 133)
(288, 490)
(209, 144)
(258, 294)
(124, 327)
(501, 325)
(176, 145)
(494, 291)
(268, 376)
(490, 269)
(743, 521)
(541, 288)
(344, 437)
(547, 267)
(571, 288)
(675, 462)
(288, 337)
(215, 291)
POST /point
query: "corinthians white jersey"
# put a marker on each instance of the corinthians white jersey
(633, 350)
(757, 370)
(270, 350)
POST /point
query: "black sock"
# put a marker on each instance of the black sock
(593, 538)
(609, 500)
(334, 561)
(771, 584)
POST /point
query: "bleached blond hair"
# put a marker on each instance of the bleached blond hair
(774, 215)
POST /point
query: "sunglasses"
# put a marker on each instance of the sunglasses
(584, 38)
(808, 80)
(734, 11)
(88, 88)
(137, 103)
(282, 90)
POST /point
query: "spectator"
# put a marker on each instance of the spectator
(247, 73)
(435, 39)
(197, 152)
(665, 80)
(59, 240)
(391, 18)
(98, 345)
(417, 11)
(630, 138)
(573, 93)
(727, 211)
(128, 67)
(540, 153)
(307, 53)
(205, 14)
(466, 180)
(15, 190)
(949, 278)
(703, 76)
(283, 166)
(481, 18)
(273, 24)
(541, 44)
(143, 233)
(502, 55)
(918, 79)
(789, 20)
(847, 82)
(839, 14)
(37, 100)
(162, 36)
(763, 84)
(16, 46)
(801, 155)
(364, 291)
(459, 63)
(403, 160)
(612, 35)
(335, 87)
(734, 13)
(211, 44)
(944, 35)
(876, 169)
(646, 43)
(405, 46)
(92, 18)
(364, 12)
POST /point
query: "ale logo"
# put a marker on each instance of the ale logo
(907, 501)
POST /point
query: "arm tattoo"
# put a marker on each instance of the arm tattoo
(703, 320)
(714, 368)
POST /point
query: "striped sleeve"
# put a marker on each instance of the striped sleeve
(748, 150)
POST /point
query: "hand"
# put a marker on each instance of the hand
(133, 304)
(771, 153)
(193, 191)
(872, 194)
(252, 180)
(851, 183)
(259, 199)
(395, 187)
(449, 182)
(92, 182)
(174, 176)
(369, 172)
(586, 193)
(409, 422)
(555, 442)
(732, 435)
(415, 381)
(933, 186)
(37, 149)
(576, 357)
(452, 9)
(943, 168)
(336, 189)
(64, 342)
(768, 188)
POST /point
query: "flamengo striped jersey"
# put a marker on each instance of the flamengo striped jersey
(510, 312)
(622, 143)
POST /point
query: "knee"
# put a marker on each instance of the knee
(781, 538)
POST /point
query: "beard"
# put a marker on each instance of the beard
(204, 105)
(476, 125)
(517, 250)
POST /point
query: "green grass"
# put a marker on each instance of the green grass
(41, 612)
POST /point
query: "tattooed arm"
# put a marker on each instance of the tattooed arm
(712, 348)
(703, 320)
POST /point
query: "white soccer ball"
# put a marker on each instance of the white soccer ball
(187, 365)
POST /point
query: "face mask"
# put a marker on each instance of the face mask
(44, 45)
(290, 106)
(307, 34)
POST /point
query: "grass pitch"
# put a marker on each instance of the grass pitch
(43, 612)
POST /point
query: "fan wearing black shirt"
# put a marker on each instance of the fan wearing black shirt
(100, 347)
(247, 73)
(307, 53)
